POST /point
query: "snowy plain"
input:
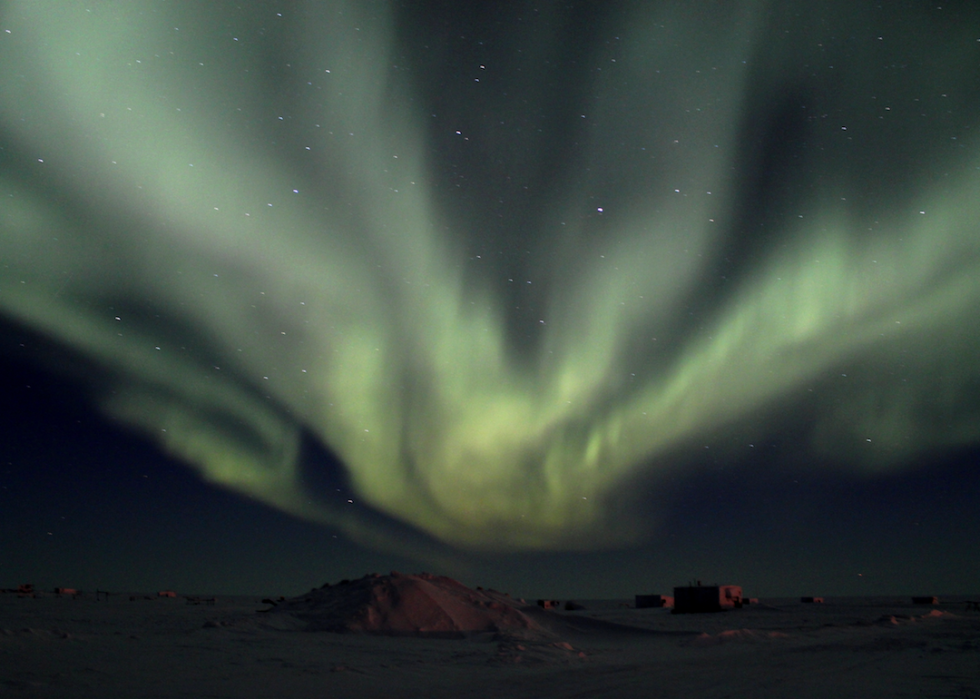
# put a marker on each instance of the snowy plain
(141, 645)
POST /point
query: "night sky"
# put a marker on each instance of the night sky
(567, 299)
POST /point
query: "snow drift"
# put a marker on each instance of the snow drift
(398, 604)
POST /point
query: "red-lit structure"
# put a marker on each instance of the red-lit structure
(706, 598)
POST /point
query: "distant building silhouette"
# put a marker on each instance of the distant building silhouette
(707, 598)
(648, 601)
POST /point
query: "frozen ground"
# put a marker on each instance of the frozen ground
(149, 647)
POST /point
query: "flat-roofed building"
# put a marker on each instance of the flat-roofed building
(706, 598)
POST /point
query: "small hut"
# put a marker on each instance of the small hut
(651, 601)
(706, 598)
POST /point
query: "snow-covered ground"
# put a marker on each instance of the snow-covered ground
(145, 646)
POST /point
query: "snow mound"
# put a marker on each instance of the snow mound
(897, 619)
(412, 605)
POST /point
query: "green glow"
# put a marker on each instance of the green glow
(161, 237)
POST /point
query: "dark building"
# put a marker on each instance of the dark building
(648, 601)
(707, 598)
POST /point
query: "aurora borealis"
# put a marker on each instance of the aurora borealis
(513, 269)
